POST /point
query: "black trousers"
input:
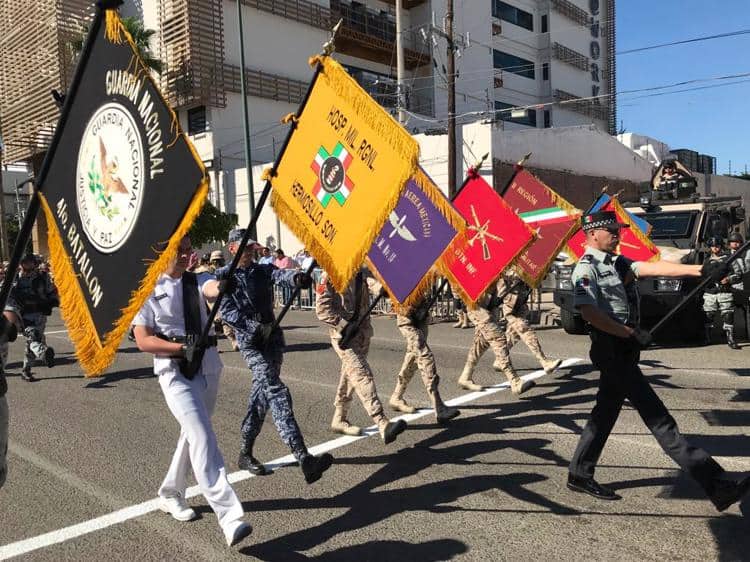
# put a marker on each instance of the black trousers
(621, 378)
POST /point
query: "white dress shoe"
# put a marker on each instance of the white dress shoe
(241, 531)
(177, 507)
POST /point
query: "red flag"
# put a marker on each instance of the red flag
(549, 215)
(634, 244)
(493, 239)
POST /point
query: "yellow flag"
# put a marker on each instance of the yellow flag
(342, 171)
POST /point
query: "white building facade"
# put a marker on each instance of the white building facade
(528, 54)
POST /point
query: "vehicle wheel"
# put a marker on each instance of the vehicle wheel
(572, 323)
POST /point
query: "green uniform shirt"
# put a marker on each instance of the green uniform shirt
(596, 281)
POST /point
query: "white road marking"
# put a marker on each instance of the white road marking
(121, 515)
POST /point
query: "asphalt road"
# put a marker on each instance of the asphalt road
(87, 455)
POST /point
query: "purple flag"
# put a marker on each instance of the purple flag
(411, 240)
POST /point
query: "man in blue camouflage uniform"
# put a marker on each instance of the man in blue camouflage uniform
(247, 307)
(35, 296)
(606, 293)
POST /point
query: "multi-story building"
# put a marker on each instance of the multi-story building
(551, 60)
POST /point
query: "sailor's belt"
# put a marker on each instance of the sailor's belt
(211, 341)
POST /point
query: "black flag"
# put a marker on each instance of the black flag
(123, 186)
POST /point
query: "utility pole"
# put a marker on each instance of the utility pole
(4, 250)
(399, 65)
(451, 99)
(246, 116)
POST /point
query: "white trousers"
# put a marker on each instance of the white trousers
(192, 404)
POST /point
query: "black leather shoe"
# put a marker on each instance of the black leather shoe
(392, 430)
(251, 464)
(727, 492)
(313, 467)
(49, 357)
(591, 487)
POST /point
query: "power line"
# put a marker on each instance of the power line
(684, 41)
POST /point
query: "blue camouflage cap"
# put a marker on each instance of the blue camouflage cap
(237, 234)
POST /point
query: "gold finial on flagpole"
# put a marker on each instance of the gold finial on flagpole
(330, 45)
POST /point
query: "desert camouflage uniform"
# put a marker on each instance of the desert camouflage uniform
(489, 332)
(336, 310)
(516, 311)
(413, 326)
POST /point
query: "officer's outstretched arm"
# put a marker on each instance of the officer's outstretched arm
(602, 321)
(667, 269)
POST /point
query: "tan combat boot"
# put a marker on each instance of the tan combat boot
(467, 323)
(517, 384)
(340, 425)
(465, 381)
(443, 413)
(397, 401)
(389, 430)
(549, 365)
(460, 320)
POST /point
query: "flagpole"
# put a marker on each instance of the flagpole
(328, 48)
(740, 251)
(38, 183)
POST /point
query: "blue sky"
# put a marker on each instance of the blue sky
(713, 121)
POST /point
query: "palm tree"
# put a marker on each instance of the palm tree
(141, 37)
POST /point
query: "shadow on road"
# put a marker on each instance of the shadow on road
(385, 551)
(107, 380)
(312, 346)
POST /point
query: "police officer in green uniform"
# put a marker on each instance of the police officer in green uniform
(605, 291)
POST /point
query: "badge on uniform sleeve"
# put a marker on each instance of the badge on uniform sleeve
(123, 187)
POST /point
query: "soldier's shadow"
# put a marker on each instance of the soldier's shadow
(375, 499)
(384, 551)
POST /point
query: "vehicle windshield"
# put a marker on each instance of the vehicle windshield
(671, 225)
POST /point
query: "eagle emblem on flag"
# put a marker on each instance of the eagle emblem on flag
(333, 181)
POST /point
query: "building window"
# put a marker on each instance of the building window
(545, 71)
(529, 119)
(197, 120)
(545, 24)
(547, 120)
(512, 14)
(514, 64)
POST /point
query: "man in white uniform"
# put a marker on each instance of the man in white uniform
(189, 385)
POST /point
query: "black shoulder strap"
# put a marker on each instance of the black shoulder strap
(191, 304)
(358, 285)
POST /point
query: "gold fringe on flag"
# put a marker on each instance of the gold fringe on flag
(387, 129)
(575, 213)
(113, 27)
(622, 215)
(451, 216)
(93, 354)
(96, 356)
